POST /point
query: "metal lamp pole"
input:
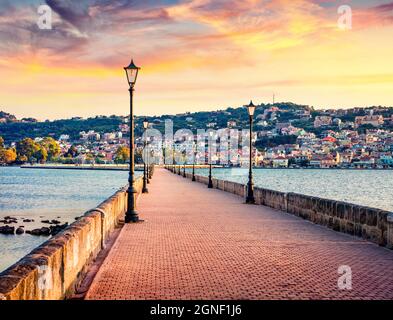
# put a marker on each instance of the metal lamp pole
(131, 213)
(148, 167)
(193, 164)
(210, 185)
(173, 160)
(144, 189)
(250, 186)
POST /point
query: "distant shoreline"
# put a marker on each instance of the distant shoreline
(78, 167)
(140, 168)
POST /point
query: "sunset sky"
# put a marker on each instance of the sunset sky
(195, 55)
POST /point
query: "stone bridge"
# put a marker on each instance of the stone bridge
(200, 243)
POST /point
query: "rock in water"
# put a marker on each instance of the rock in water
(20, 230)
(40, 232)
(57, 229)
(7, 230)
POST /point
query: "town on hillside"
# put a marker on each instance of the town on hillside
(286, 135)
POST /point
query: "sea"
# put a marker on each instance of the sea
(46, 195)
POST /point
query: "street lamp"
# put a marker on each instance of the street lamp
(184, 166)
(210, 185)
(144, 189)
(193, 164)
(164, 155)
(148, 166)
(131, 215)
(173, 159)
(250, 193)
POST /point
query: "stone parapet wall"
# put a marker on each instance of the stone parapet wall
(53, 270)
(368, 223)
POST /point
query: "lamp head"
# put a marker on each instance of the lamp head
(251, 109)
(145, 124)
(132, 73)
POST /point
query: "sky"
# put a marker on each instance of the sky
(194, 55)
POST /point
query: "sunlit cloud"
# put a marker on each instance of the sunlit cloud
(195, 54)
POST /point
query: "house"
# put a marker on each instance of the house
(329, 140)
(322, 121)
(64, 137)
(374, 120)
(386, 160)
(316, 161)
(364, 162)
(231, 124)
(280, 162)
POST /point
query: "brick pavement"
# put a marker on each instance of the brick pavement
(207, 244)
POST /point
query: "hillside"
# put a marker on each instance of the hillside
(16, 131)
(266, 118)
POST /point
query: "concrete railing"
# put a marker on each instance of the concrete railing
(53, 270)
(368, 223)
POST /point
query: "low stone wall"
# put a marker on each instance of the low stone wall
(368, 223)
(53, 270)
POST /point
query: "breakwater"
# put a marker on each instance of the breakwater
(368, 223)
(53, 270)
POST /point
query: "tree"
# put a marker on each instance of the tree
(26, 150)
(52, 147)
(122, 155)
(71, 153)
(1, 142)
(41, 154)
(89, 158)
(7, 156)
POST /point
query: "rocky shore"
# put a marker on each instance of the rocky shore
(53, 227)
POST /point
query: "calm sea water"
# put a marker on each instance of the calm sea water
(373, 188)
(48, 194)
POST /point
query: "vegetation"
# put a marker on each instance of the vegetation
(15, 131)
(7, 156)
(266, 142)
(122, 155)
(28, 150)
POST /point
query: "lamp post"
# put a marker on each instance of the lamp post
(144, 189)
(150, 176)
(210, 185)
(173, 159)
(250, 186)
(131, 215)
(179, 165)
(193, 164)
(184, 167)
(148, 167)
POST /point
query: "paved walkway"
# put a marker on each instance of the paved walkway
(206, 244)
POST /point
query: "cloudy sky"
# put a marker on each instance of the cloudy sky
(194, 54)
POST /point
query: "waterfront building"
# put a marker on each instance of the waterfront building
(280, 162)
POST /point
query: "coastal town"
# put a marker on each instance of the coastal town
(285, 136)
